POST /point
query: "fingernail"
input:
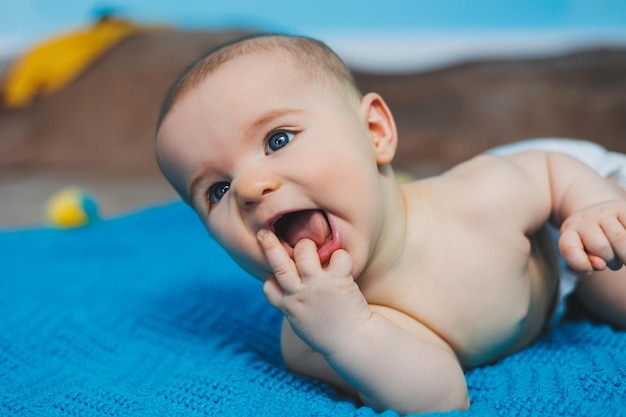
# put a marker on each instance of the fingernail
(261, 234)
(615, 264)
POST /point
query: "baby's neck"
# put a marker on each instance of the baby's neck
(392, 242)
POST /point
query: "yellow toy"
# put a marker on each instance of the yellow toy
(51, 65)
(71, 207)
(403, 177)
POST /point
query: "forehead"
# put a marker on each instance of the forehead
(241, 85)
(221, 108)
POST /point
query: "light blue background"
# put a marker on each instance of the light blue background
(24, 22)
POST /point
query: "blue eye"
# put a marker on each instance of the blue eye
(277, 140)
(217, 191)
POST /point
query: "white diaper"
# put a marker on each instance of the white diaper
(605, 163)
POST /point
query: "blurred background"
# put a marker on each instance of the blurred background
(81, 81)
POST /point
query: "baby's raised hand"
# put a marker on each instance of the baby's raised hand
(595, 237)
(323, 304)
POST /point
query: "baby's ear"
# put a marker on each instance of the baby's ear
(381, 127)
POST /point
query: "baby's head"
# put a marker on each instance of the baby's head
(271, 132)
(314, 61)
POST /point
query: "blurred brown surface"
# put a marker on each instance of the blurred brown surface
(446, 116)
(101, 127)
(104, 121)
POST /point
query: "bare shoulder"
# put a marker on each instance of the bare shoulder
(520, 169)
(490, 186)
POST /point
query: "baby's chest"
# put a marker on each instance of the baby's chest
(485, 302)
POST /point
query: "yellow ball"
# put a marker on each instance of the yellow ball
(402, 177)
(71, 207)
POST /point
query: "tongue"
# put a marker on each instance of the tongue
(311, 224)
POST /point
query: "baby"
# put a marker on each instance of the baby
(389, 291)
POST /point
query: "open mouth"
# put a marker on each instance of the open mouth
(304, 224)
(309, 224)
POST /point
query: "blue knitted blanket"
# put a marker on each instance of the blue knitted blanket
(144, 315)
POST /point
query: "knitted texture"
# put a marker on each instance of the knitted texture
(144, 315)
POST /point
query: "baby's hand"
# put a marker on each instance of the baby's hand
(595, 237)
(323, 304)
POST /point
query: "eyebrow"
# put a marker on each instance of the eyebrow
(270, 117)
(259, 123)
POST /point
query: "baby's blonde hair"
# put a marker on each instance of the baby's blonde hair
(313, 57)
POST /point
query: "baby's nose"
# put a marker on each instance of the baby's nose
(252, 187)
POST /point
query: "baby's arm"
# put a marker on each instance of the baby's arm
(592, 214)
(378, 352)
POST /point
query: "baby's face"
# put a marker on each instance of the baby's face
(256, 145)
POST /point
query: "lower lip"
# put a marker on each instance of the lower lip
(336, 242)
